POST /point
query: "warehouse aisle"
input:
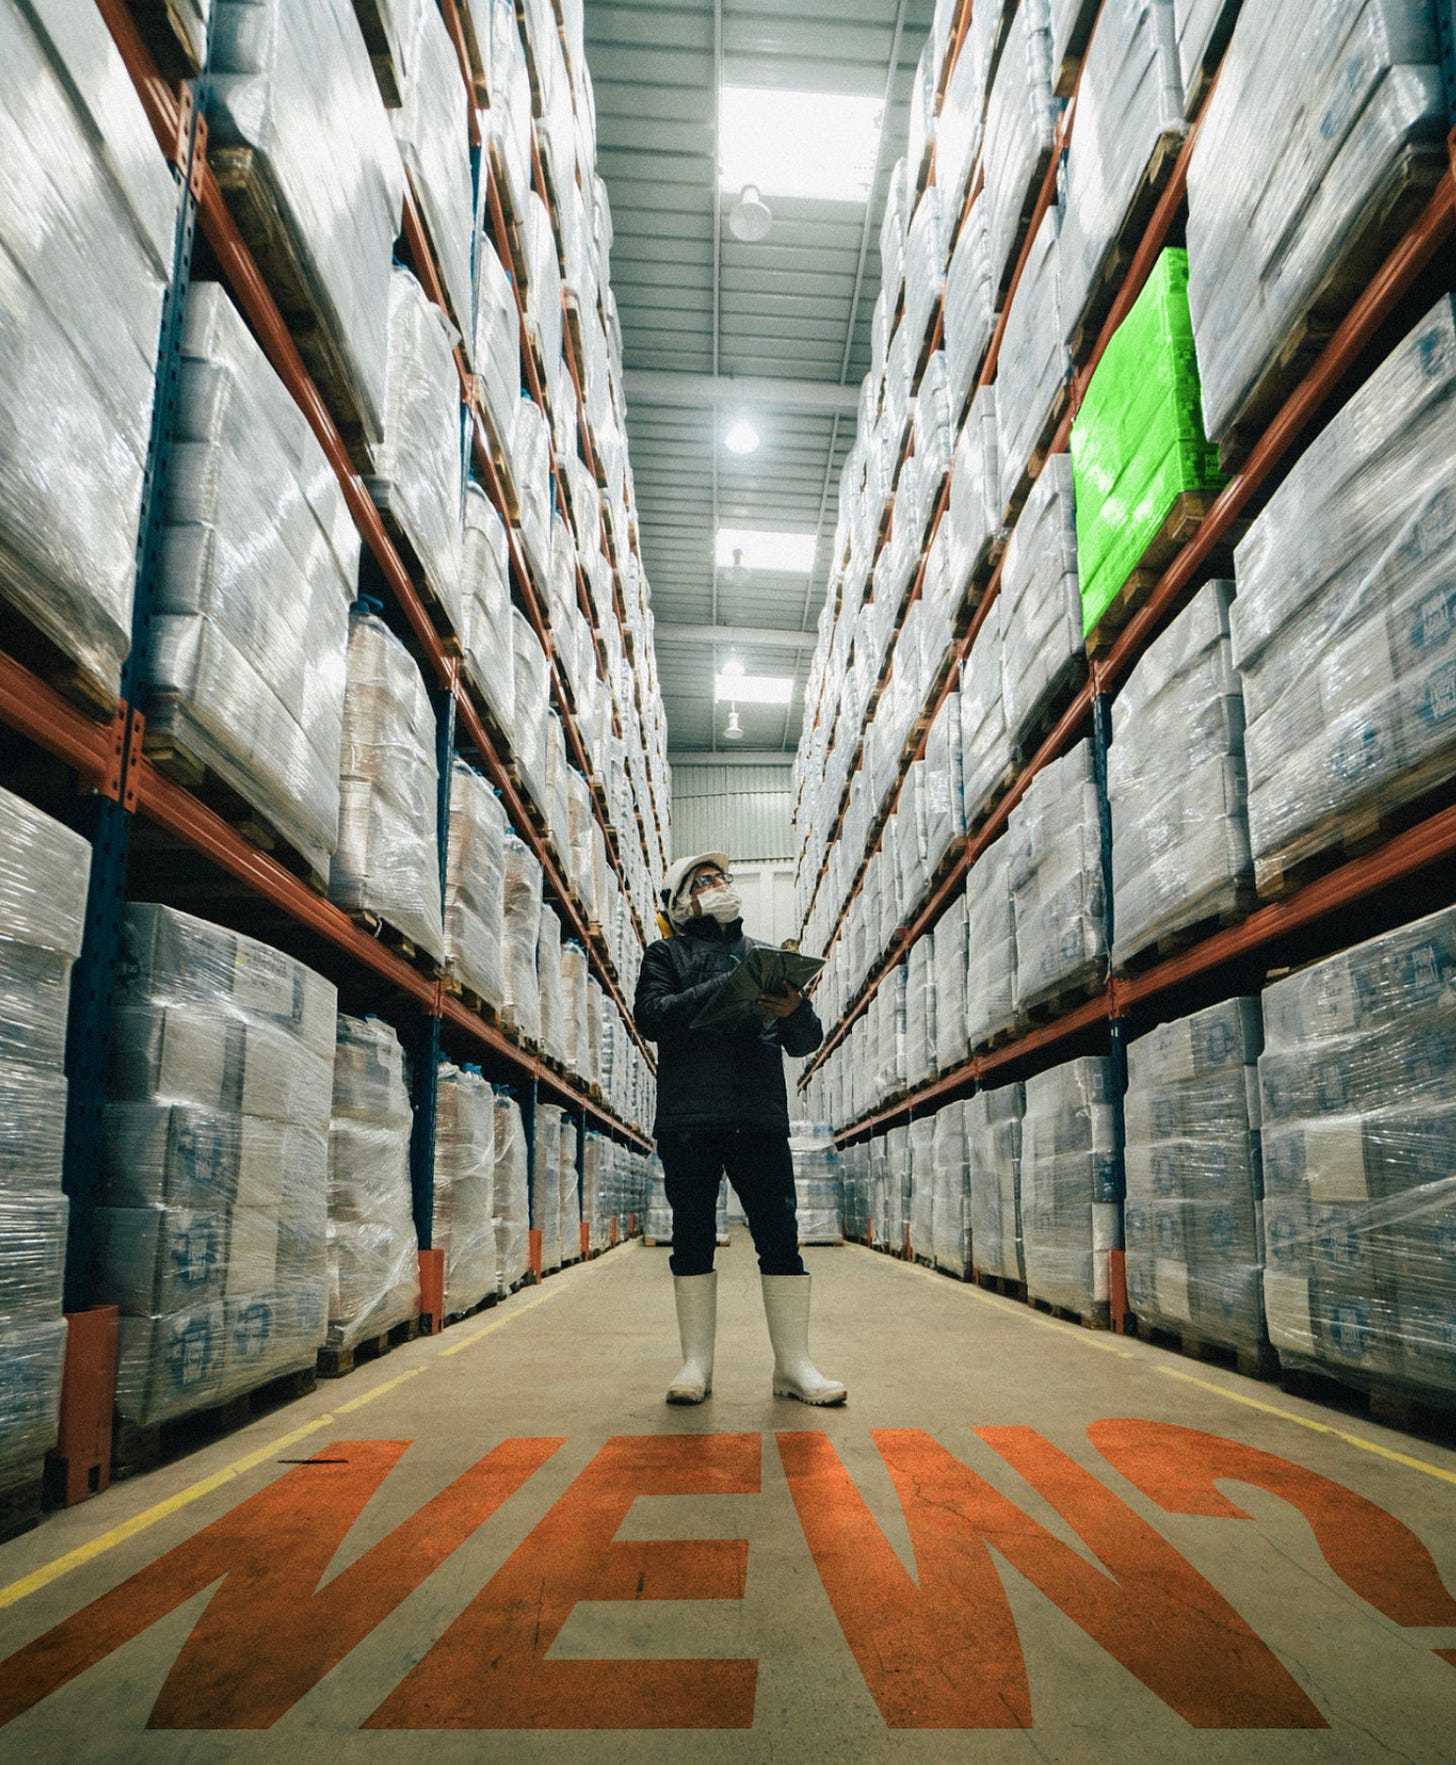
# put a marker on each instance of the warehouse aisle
(1265, 1564)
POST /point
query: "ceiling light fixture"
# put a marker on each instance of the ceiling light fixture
(741, 437)
(733, 732)
(750, 218)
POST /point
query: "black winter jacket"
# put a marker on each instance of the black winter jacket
(714, 1079)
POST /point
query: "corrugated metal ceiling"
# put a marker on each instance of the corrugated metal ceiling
(796, 307)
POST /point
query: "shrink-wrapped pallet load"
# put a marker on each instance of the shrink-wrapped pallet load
(512, 1192)
(1071, 1185)
(258, 565)
(1033, 367)
(532, 708)
(1021, 120)
(432, 129)
(87, 203)
(300, 141)
(43, 878)
(523, 913)
(569, 1191)
(464, 1216)
(1192, 1216)
(950, 976)
(475, 887)
(990, 947)
(1358, 1091)
(546, 1183)
(950, 1242)
(488, 635)
(1059, 897)
(817, 1183)
(921, 1215)
(387, 862)
(1039, 608)
(374, 1276)
(1175, 778)
(993, 1123)
(548, 979)
(211, 1236)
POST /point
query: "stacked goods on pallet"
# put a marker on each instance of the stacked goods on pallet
(523, 912)
(546, 1183)
(898, 1179)
(1059, 896)
(1192, 1217)
(991, 986)
(299, 140)
(432, 129)
(1039, 608)
(574, 974)
(922, 1187)
(1137, 440)
(1033, 366)
(374, 1278)
(1175, 780)
(1358, 1085)
(818, 1184)
(950, 1234)
(1128, 117)
(944, 785)
(43, 880)
(596, 1176)
(532, 707)
(1202, 29)
(658, 1226)
(497, 358)
(951, 970)
(970, 308)
(510, 110)
(1071, 1185)
(1072, 22)
(548, 979)
(485, 588)
(464, 1224)
(986, 749)
(1343, 628)
(88, 202)
(1327, 127)
(259, 560)
(974, 513)
(512, 1192)
(569, 1190)
(1021, 121)
(419, 467)
(475, 887)
(920, 1030)
(386, 865)
(211, 1236)
(993, 1122)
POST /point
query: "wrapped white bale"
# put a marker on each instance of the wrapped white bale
(475, 886)
(465, 1211)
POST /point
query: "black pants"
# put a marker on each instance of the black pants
(760, 1168)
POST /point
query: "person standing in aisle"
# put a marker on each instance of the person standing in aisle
(722, 1107)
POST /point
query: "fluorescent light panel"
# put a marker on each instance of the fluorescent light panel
(816, 145)
(791, 554)
(753, 689)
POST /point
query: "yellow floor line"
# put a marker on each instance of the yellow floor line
(96, 1547)
(1109, 1345)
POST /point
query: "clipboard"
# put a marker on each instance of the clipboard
(765, 969)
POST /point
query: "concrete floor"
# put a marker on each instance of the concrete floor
(1008, 1546)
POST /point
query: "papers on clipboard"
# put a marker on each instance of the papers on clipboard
(764, 969)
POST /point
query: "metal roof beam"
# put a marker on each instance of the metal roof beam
(695, 391)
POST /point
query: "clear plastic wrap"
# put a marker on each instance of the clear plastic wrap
(387, 862)
(374, 1274)
(949, 986)
(546, 1183)
(1358, 1090)
(925, 253)
(1021, 122)
(487, 638)
(512, 1193)
(211, 1232)
(1071, 1184)
(1192, 1216)
(920, 1023)
(475, 886)
(950, 1241)
(553, 1003)
(569, 1191)
(523, 914)
(1129, 115)
(464, 1215)
(258, 564)
(1039, 606)
(294, 84)
(1175, 777)
(1071, 23)
(922, 1188)
(575, 971)
(1202, 28)
(817, 1183)
(990, 947)
(959, 126)
(970, 308)
(993, 1170)
(1057, 884)
(33, 1353)
(1343, 630)
(974, 514)
(497, 360)
(533, 701)
(419, 468)
(432, 129)
(87, 202)
(1034, 364)
(1326, 112)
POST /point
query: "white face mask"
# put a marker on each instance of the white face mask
(720, 903)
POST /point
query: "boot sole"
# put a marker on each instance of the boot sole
(684, 1398)
(818, 1403)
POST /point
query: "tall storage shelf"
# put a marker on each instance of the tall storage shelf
(159, 820)
(947, 691)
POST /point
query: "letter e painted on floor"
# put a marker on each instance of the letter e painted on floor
(490, 1668)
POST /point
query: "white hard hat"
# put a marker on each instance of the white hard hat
(682, 868)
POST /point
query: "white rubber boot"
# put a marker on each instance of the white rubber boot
(786, 1305)
(696, 1297)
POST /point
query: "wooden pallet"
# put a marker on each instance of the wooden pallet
(1063, 1000)
(27, 644)
(471, 1311)
(1031, 191)
(1254, 1360)
(370, 14)
(169, 752)
(1056, 697)
(1357, 829)
(1173, 943)
(1005, 1285)
(1420, 169)
(337, 1360)
(246, 183)
(1178, 527)
(1099, 1317)
(1113, 272)
(142, 1446)
(1040, 454)
(163, 28)
(21, 1502)
(1428, 1413)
